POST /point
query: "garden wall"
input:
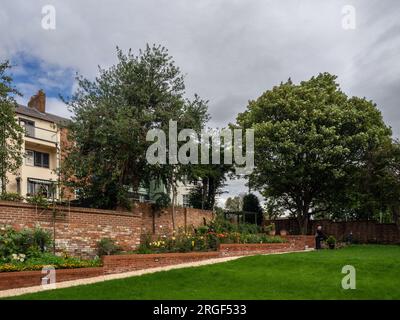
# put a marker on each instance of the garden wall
(363, 231)
(11, 280)
(294, 243)
(160, 222)
(132, 262)
(77, 230)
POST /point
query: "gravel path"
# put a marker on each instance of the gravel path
(66, 284)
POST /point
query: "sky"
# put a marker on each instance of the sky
(230, 51)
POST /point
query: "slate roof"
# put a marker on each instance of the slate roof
(32, 112)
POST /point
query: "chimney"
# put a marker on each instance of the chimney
(38, 101)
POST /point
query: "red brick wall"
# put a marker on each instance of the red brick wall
(79, 229)
(11, 280)
(160, 222)
(131, 262)
(294, 243)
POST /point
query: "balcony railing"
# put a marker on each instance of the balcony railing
(40, 133)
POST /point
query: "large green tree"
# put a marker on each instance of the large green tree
(311, 139)
(112, 116)
(10, 131)
(252, 204)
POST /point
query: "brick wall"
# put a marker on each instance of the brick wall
(294, 243)
(132, 262)
(363, 231)
(159, 223)
(79, 229)
(11, 280)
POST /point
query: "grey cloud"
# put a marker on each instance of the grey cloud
(231, 50)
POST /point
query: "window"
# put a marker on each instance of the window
(186, 200)
(40, 187)
(29, 156)
(37, 159)
(29, 127)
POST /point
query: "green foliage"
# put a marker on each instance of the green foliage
(107, 246)
(112, 117)
(221, 225)
(331, 240)
(44, 259)
(10, 196)
(252, 204)
(26, 242)
(311, 142)
(162, 200)
(10, 131)
(39, 201)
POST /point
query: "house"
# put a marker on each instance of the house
(44, 147)
(43, 144)
(151, 193)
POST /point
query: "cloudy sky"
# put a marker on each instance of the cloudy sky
(231, 51)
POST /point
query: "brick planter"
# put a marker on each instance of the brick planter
(131, 262)
(11, 280)
(235, 249)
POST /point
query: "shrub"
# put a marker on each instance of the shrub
(27, 242)
(331, 240)
(44, 259)
(10, 196)
(39, 200)
(107, 246)
(221, 225)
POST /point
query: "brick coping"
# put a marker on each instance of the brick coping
(162, 255)
(72, 209)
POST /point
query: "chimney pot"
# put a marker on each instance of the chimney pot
(38, 101)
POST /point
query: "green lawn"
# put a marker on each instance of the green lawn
(309, 275)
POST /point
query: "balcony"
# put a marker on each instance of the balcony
(40, 134)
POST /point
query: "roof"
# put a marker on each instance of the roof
(32, 112)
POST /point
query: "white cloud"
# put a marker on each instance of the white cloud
(231, 50)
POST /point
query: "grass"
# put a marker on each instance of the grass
(309, 275)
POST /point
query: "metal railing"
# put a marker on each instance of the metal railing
(40, 133)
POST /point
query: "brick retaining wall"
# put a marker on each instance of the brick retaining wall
(132, 262)
(22, 279)
(79, 229)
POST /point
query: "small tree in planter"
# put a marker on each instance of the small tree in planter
(270, 229)
(331, 241)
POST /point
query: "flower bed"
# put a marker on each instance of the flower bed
(27, 249)
(207, 238)
(46, 259)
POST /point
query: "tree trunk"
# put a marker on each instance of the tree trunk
(173, 206)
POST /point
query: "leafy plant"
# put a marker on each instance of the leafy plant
(10, 196)
(107, 246)
(27, 242)
(39, 201)
(331, 240)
